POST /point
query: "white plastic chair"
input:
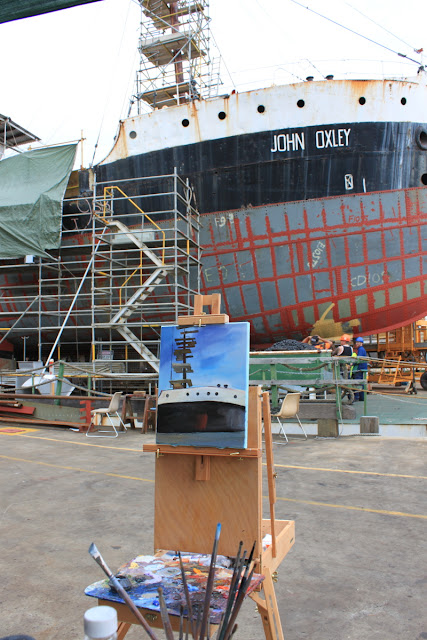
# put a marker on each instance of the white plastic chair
(289, 409)
(111, 411)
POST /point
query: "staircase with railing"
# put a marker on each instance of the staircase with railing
(147, 269)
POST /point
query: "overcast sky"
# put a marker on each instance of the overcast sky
(74, 70)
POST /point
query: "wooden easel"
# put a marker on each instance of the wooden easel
(197, 488)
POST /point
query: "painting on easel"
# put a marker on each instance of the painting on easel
(203, 386)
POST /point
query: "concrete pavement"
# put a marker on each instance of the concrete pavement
(357, 569)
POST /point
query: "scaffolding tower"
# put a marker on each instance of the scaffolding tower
(129, 263)
(175, 54)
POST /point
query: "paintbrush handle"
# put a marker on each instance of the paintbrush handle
(210, 584)
(165, 616)
(190, 618)
(235, 581)
(122, 593)
(93, 550)
(244, 585)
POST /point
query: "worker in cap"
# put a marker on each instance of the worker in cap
(360, 369)
(317, 342)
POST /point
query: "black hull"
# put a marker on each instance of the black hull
(193, 417)
(242, 171)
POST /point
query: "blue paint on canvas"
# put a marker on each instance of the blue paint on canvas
(203, 386)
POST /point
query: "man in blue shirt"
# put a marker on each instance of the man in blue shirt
(360, 368)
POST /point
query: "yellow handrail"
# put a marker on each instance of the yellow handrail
(110, 191)
(131, 276)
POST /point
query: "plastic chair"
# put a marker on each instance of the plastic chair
(111, 411)
(289, 409)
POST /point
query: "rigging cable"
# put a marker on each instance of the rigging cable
(109, 97)
(402, 55)
(222, 61)
(377, 24)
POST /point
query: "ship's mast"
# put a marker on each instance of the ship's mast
(182, 353)
(175, 63)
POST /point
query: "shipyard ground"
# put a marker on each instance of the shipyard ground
(357, 569)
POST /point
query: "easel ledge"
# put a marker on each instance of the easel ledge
(200, 317)
(161, 449)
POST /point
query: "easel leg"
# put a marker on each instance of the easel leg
(122, 629)
(268, 609)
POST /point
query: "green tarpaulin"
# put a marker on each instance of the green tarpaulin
(32, 186)
(16, 9)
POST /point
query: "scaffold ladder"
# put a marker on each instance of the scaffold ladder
(129, 307)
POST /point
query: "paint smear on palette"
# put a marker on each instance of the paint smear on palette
(203, 386)
(147, 573)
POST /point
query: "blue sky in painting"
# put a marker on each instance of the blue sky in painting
(221, 355)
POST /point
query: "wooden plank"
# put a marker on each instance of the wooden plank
(268, 609)
(127, 618)
(254, 419)
(203, 468)
(145, 415)
(187, 512)
(127, 413)
(213, 301)
(54, 423)
(201, 320)
(285, 538)
(270, 467)
(163, 449)
(19, 409)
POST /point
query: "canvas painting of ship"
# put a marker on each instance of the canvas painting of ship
(203, 386)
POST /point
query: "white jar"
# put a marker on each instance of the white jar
(100, 623)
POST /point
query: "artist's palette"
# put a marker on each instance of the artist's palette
(147, 573)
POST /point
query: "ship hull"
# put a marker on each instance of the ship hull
(310, 222)
(352, 263)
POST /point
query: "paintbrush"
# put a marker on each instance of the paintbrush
(244, 583)
(122, 593)
(234, 584)
(240, 597)
(236, 602)
(181, 623)
(251, 555)
(210, 583)
(199, 616)
(165, 616)
(187, 598)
